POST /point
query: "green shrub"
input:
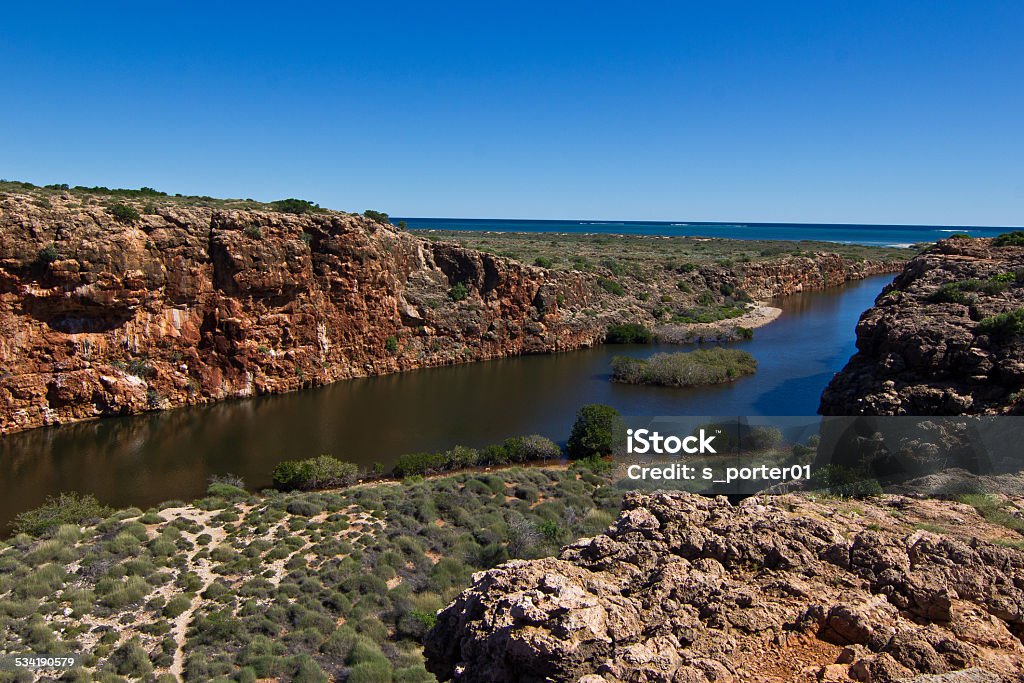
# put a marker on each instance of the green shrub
(125, 213)
(759, 438)
(845, 482)
(176, 606)
(391, 344)
(611, 286)
(377, 216)
(595, 464)
(131, 660)
(1009, 239)
(594, 431)
(543, 262)
(378, 671)
(48, 254)
(709, 314)
(531, 448)
(313, 473)
(419, 463)
(296, 206)
(303, 508)
(1009, 324)
(458, 292)
(225, 491)
(413, 674)
(629, 333)
(66, 508)
(684, 369)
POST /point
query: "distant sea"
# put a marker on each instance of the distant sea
(876, 235)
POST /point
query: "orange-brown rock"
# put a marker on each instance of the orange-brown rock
(929, 345)
(683, 588)
(190, 305)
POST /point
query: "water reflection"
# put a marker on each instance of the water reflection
(146, 459)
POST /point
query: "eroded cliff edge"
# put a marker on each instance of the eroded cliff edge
(189, 304)
(684, 588)
(944, 339)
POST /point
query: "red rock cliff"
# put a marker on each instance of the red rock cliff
(189, 305)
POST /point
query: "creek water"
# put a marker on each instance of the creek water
(145, 459)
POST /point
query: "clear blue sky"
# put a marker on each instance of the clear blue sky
(860, 111)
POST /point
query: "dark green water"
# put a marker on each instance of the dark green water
(146, 459)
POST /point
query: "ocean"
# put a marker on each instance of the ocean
(874, 235)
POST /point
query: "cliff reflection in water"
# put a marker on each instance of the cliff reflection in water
(146, 459)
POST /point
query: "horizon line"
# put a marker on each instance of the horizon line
(684, 223)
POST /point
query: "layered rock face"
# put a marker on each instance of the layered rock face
(764, 280)
(689, 589)
(932, 344)
(189, 305)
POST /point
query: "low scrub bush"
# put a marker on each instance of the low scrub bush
(629, 333)
(125, 213)
(296, 206)
(48, 254)
(377, 216)
(611, 286)
(1009, 239)
(845, 482)
(321, 472)
(1009, 324)
(458, 292)
(66, 508)
(709, 314)
(703, 366)
(225, 491)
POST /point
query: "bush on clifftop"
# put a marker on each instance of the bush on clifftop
(1009, 324)
(1009, 239)
(296, 206)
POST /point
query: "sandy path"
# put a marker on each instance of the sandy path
(202, 567)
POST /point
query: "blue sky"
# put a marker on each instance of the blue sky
(891, 112)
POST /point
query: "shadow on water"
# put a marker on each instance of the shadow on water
(146, 459)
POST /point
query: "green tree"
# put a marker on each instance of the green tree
(594, 431)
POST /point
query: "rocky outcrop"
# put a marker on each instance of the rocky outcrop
(766, 279)
(933, 344)
(686, 588)
(189, 305)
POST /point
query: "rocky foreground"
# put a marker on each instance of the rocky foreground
(688, 589)
(944, 339)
